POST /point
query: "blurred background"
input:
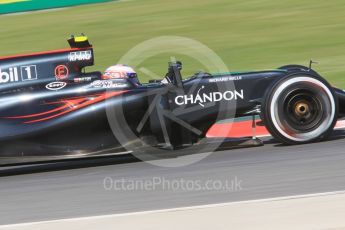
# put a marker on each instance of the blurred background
(247, 35)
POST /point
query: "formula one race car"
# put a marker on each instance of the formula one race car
(50, 109)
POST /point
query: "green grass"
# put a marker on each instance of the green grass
(255, 34)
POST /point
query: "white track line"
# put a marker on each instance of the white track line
(188, 208)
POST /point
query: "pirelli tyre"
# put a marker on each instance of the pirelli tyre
(300, 108)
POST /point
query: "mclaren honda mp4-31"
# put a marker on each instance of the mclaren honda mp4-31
(52, 109)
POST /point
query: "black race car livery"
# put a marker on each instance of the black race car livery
(51, 109)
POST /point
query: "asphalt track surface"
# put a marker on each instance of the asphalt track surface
(68, 190)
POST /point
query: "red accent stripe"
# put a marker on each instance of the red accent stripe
(244, 129)
(340, 124)
(38, 114)
(43, 53)
(82, 105)
(236, 129)
(69, 105)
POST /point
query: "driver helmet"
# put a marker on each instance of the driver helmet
(121, 71)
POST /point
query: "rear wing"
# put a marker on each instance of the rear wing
(56, 65)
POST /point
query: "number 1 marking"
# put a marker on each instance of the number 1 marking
(28, 71)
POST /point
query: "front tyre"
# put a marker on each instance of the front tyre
(300, 108)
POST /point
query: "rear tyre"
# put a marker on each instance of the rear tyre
(300, 108)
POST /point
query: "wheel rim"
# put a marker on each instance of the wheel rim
(302, 98)
(303, 110)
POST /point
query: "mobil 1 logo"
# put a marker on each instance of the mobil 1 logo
(16, 74)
